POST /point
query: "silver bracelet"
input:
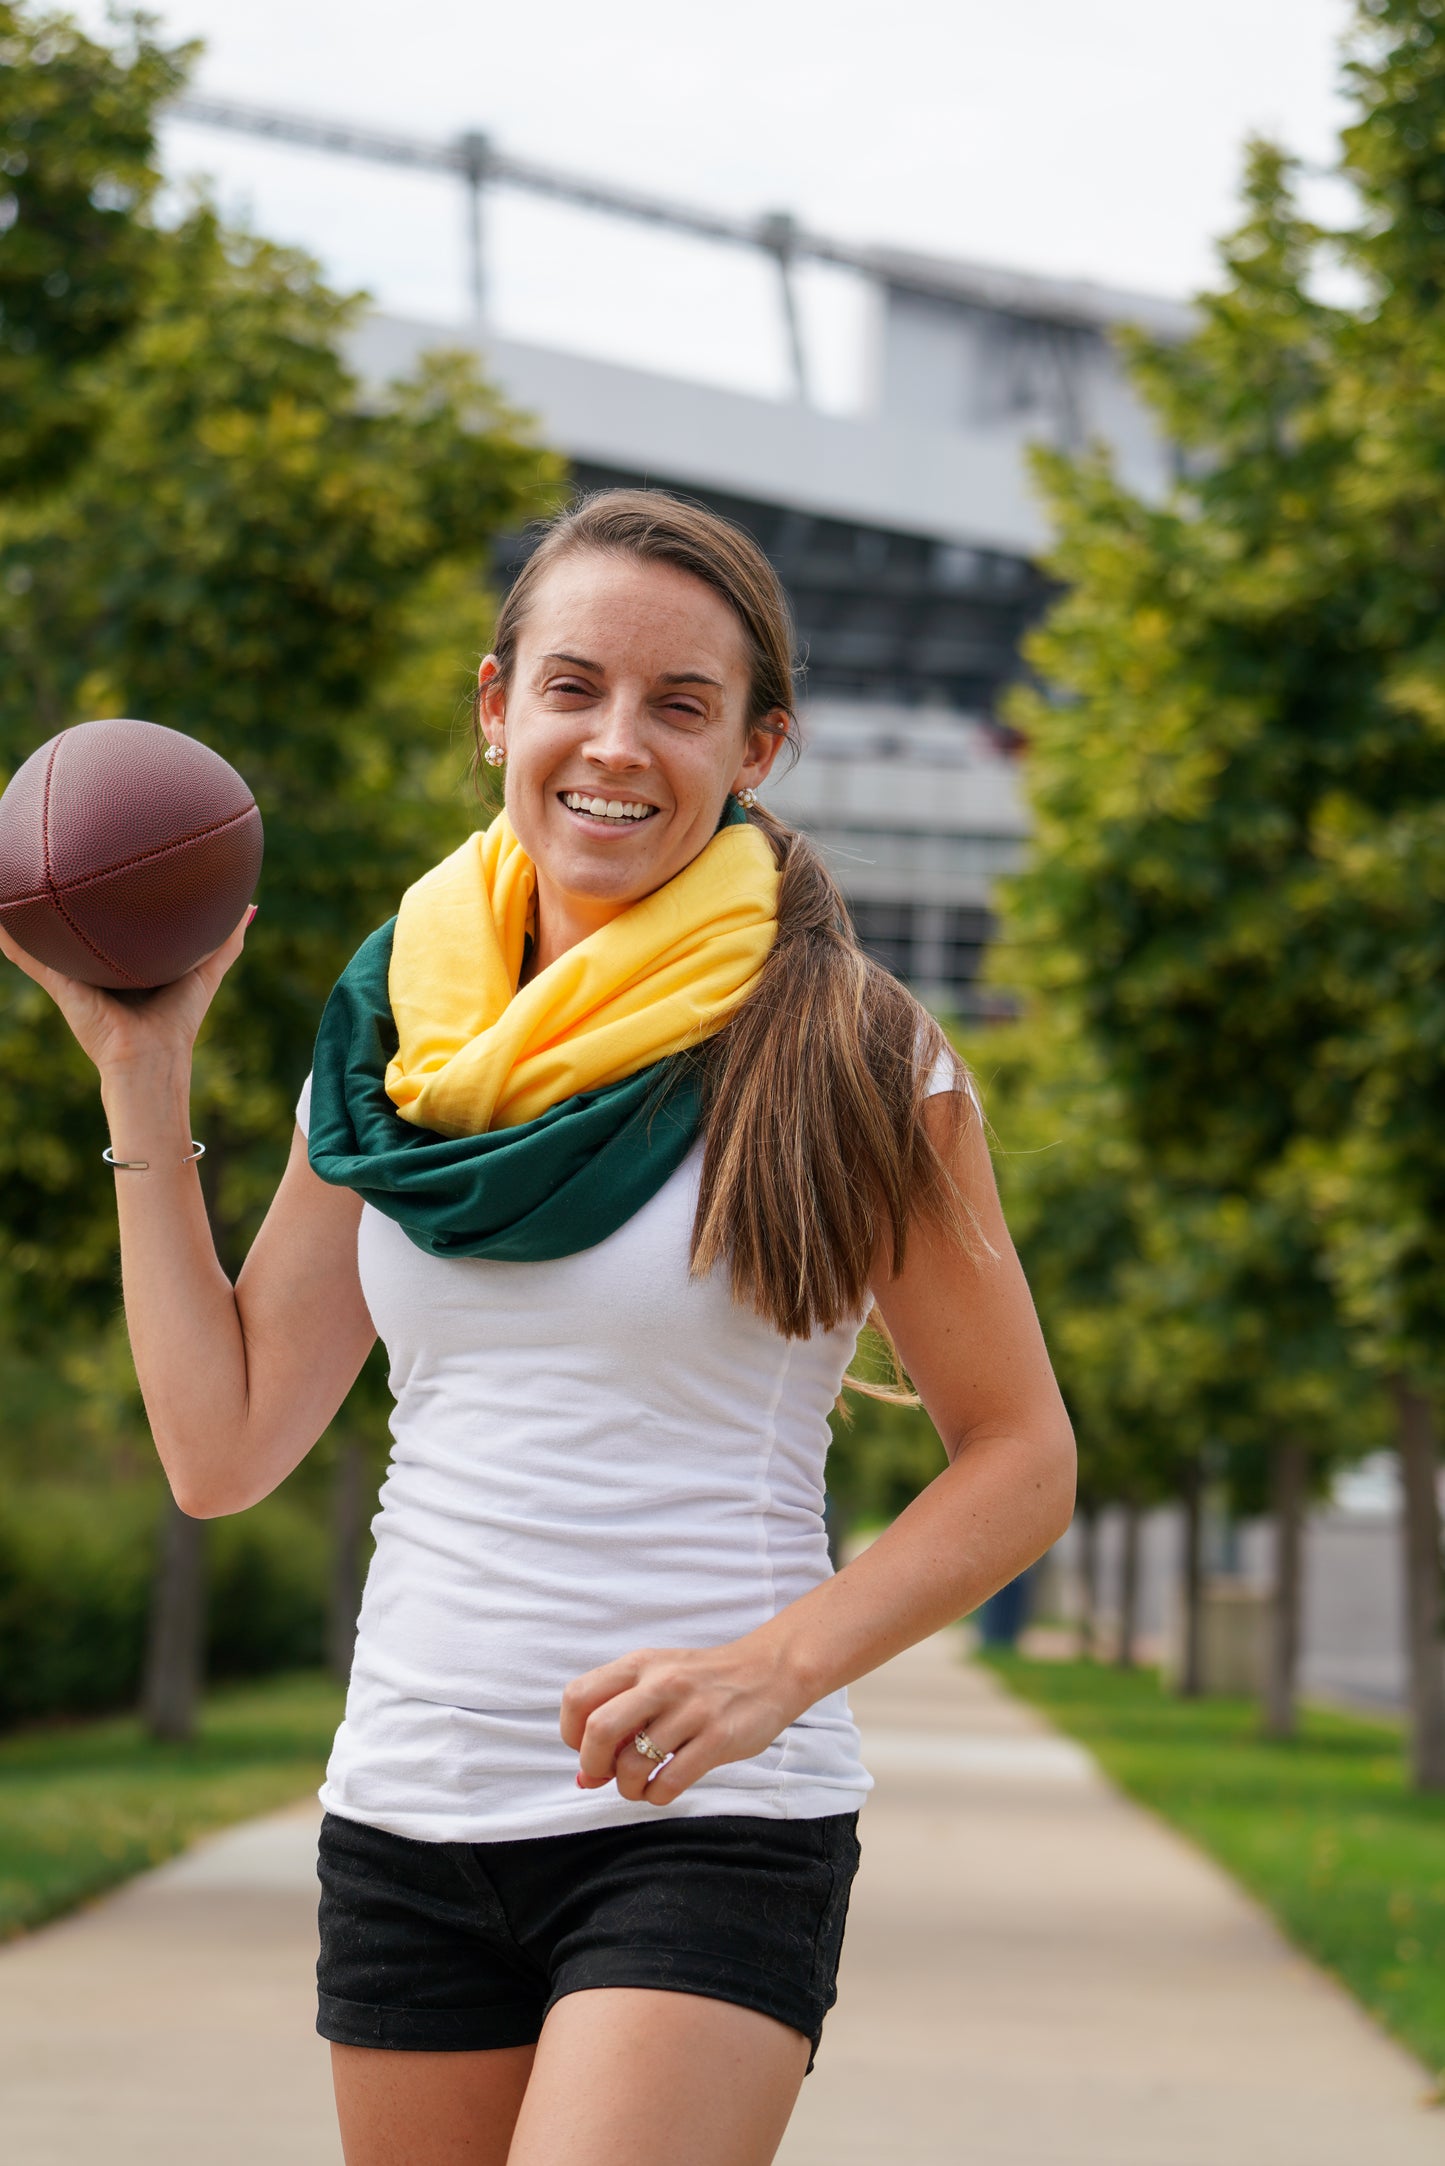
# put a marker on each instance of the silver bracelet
(143, 1165)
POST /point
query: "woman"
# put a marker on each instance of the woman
(615, 1138)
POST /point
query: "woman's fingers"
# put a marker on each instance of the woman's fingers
(84, 1007)
(593, 1688)
(706, 1705)
(214, 967)
(53, 982)
(688, 1762)
(164, 1021)
(637, 1775)
(609, 1732)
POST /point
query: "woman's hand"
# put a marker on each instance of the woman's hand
(701, 1705)
(136, 1030)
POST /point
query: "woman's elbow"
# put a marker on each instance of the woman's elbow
(216, 1490)
(1062, 1461)
(201, 1499)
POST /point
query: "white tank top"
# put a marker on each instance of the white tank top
(590, 1455)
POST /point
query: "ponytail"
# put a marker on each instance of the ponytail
(816, 1155)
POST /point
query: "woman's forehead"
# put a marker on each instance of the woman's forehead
(613, 610)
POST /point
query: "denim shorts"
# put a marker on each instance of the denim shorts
(457, 1947)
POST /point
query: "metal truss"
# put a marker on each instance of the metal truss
(476, 160)
(479, 163)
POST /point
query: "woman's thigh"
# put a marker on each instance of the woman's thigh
(428, 2109)
(629, 2072)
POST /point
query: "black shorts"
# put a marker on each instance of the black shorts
(456, 1947)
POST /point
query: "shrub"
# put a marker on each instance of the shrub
(75, 1575)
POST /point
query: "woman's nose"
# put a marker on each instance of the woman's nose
(616, 737)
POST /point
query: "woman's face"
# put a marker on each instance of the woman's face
(629, 693)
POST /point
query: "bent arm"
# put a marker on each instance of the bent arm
(238, 1382)
(969, 1337)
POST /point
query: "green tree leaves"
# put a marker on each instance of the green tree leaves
(1235, 912)
(77, 254)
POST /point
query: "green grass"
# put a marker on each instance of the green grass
(86, 1804)
(1324, 1831)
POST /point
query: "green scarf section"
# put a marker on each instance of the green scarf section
(547, 1188)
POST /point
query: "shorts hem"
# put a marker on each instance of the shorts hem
(424, 2030)
(741, 1986)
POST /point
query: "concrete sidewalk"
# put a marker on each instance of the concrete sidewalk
(1039, 1973)
(173, 2024)
(1036, 1974)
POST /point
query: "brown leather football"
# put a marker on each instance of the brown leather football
(127, 853)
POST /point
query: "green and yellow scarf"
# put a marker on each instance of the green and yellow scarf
(528, 1122)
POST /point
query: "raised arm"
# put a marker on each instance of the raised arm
(238, 1382)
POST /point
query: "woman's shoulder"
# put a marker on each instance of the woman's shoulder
(914, 1038)
(947, 1068)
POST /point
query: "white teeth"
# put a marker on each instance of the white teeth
(605, 808)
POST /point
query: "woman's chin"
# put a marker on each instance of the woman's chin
(612, 884)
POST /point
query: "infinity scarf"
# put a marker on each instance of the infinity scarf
(524, 1124)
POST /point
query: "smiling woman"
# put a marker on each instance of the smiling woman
(614, 1136)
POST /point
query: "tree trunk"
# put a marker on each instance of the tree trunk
(1128, 1589)
(172, 1684)
(1088, 1523)
(1290, 1476)
(1191, 1654)
(1419, 1449)
(348, 1524)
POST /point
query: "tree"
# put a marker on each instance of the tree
(1175, 762)
(1224, 700)
(78, 252)
(1379, 1182)
(254, 552)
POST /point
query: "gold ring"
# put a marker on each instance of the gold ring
(646, 1747)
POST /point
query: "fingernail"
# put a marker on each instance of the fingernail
(252, 912)
(580, 1783)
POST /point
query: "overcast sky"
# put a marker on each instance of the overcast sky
(1096, 138)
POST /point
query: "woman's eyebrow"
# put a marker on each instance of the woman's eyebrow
(672, 676)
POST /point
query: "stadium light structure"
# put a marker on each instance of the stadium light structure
(1052, 306)
(478, 163)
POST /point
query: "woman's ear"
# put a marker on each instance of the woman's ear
(765, 741)
(491, 697)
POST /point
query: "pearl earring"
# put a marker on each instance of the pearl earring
(747, 798)
(494, 755)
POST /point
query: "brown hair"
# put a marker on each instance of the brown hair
(815, 1150)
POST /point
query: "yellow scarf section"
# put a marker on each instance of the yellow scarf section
(475, 1052)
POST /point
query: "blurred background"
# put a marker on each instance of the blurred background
(1081, 370)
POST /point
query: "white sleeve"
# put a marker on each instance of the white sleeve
(944, 1076)
(947, 1070)
(303, 1108)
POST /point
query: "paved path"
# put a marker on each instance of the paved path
(1036, 1974)
(174, 2023)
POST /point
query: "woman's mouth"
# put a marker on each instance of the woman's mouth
(597, 811)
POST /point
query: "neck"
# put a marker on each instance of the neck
(561, 921)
